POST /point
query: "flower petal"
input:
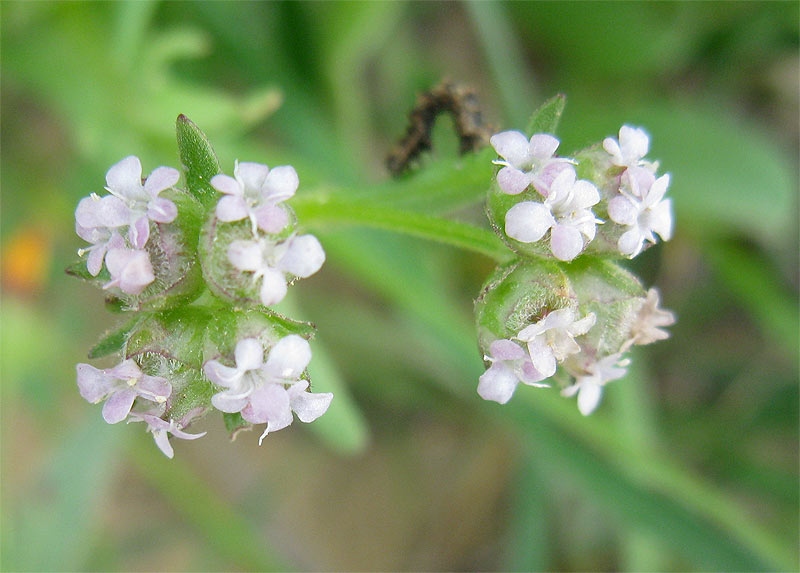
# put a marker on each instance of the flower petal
(93, 384)
(225, 403)
(512, 181)
(273, 287)
(222, 375)
(504, 349)
(271, 218)
(280, 184)
(227, 185)
(139, 232)
(513, 146)
(661, 219)
(622, 210)
(249, 354)
(252, 175)
(308, 406)
(118, 405)
(162, 210)
(154, 388)
(231, 208)
(498, 383)
(288, 358)
(245, 255)
(528, 221)
(160, 179)
(566, 242)
(542, 356)
(161, 438)
(634, 143)
(543, 146)
(589, 397)
(630, 243)
(124, 178)
(304, 256)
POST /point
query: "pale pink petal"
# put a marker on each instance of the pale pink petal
(280, 184)
(622, 210)
(497, 383)
(227, 185)
(124, 178)
(634, 143)
(512, 181)
(160, 179)
(252, 175)
(249, 354)
(222, 375)
(583, 325)
(542, 356)
(269, 403)
(162, 210)
(566, 242)
(306, 405)
(154, 388)
(271, 218)
(125, 370)
(544, 178)
(513, 146)
(93, 384)
(657, 190)
(289, 357)
(94, 261)
(504, 349)
(186, 435)
(228, 404)
(131, 270)
(584, 195)
(661, 219)
(304, 256)
(530, 376)
(639, 180)
(139, 232)
(161, 438)
(273, 287)
(245, 255)
(118, 405)
(528, 221)
(630, 243)
(231, 208)
(543, 146)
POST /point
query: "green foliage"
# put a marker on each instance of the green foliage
(198, 159)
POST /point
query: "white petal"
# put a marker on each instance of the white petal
(512, 146)
(251, 174)
(271, 218)
(589, 397)
(622, 210)
(93, 384)
(245, 255)
(543, 146)
(630, 243)
(657, 190)
(661, 219)
(611, 145)
(505, 349)
(222, 375)
(566, 242)
(308, 406)
(231, 208)
(512, 181)
(118, 406)
(497, 383)
(542, 356)
(249, 354)
(161, 438)
(273, 287)
(634, 143)
(125, 178)
(304, 256)
(583, 325)
(584, 195)
(227, 185)
(289, 357)
(225, 403)
(528, 221)
(160, 179)
(162, 210)
(280, 184)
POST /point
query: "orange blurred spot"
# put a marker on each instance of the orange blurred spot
(26, 259)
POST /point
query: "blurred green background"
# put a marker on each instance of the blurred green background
(691, 462)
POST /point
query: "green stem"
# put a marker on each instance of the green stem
(322, 210)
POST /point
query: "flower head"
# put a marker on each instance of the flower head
(256, 191)
(161, 429)
(632, 145)
(259, 390)
(270, 261)
(641, 207)
(526, 162)
(591, 377)
(566, 213)
(552, 339)
(119, 387)
(510, 366)
(650, 321)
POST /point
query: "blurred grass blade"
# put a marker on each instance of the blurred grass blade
(199, 161)
(547, 117)
(225, 530)
(529, 529)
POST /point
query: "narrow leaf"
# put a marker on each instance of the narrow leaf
(546, 118)
(113, 340)
(199, 161)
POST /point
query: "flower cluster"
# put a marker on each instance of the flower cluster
(131, 205)
(560, 208)
(542, 321)
(162, 257)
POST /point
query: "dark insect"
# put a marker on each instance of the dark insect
(460, 101)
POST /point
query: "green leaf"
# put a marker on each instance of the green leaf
(79, 270)
(546, 118)
(113, 340)
(199, 161)
(234, 423)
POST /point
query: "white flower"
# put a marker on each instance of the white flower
(649, 322)
(510, 366)
(103, 240)
(130, 270)
(140, 203)
(119, 387)
(566, 213)
(161, 429)
(552, 339)
(526, 161)
(270, 261)
(255, 191)
(258, 389)
(641, 207)
(590, 379)
(632, 146)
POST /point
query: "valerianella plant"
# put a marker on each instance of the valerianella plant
(195, 268)
(562, 311)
